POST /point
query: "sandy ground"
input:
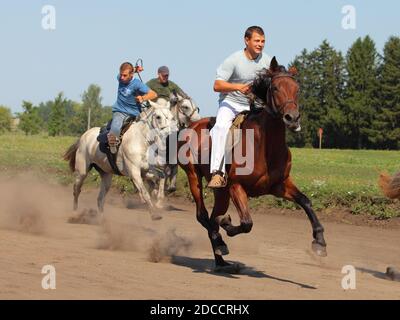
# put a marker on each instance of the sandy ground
(128, 256)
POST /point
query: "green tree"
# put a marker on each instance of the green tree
(361, 90)
(91, 106)
(321, 79)
(5, 119)
(30, 121)
(57, 118)
(44, 111)
(388, 120)
(77, 122)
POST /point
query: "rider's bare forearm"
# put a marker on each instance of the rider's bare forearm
(225, 87)
(151, 95)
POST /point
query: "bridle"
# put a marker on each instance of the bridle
(148, 113)
(277, 110)
(178, 108)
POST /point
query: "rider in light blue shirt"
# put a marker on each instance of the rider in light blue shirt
(131, 94)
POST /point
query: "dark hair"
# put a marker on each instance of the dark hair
(250, 30)
(126, 65)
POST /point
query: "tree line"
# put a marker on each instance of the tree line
(354, 98)
(60, 116)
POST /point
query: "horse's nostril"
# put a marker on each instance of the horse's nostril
(288, 117)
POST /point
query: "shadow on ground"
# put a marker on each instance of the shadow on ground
(206, 266)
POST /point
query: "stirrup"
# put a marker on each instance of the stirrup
(218, 180)
(114, 145)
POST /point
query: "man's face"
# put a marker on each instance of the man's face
(126, 75)
(163, 77)
(256, 43)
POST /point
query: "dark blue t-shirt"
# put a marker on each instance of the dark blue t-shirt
(126, 102)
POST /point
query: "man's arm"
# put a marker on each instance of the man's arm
(225, 87)
(224, 73)
(151, 95)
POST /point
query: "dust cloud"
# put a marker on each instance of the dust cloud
(26, 203)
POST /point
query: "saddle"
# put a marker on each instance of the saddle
(103, 141)
(236, 124)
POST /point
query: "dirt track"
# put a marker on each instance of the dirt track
(116, 259)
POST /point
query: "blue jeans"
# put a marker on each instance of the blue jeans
(118, 119)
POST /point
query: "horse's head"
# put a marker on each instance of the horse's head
(279, 91)
(184, 108)
(162, 117)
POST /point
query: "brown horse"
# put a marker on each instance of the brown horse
(390, 186)
(278, 90)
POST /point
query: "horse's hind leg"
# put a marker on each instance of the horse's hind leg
(79, 179)
(290, 192)
(106, 179)
(81, 172)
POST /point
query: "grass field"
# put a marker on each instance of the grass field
(330, 178)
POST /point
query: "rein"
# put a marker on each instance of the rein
(146, 120)
(178, 109)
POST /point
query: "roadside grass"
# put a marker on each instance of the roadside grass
(330, 178)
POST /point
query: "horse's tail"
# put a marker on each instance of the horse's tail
(390, 186)
(70, 155)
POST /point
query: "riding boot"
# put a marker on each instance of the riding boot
(218, 180)
(113, 142)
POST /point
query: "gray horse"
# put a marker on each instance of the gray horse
(133, 158)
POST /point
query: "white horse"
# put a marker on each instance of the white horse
(185, 111)
(133, 156)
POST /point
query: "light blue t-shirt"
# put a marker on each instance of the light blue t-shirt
(237, 68)
(126, 102)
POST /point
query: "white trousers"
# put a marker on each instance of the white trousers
(226, 113)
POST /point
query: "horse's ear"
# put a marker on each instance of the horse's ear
(293, 71)
(274, 66)
(173, 97)
(152, 104)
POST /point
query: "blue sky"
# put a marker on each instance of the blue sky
(92, 38)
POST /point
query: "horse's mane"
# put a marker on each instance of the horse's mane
(261, 83)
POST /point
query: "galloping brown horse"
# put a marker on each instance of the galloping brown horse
(278, 90)
(390, 186)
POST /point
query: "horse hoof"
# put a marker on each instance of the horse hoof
(319, 249)
(156, 217)
(393, 274)
(224, 220)
(221, 250)
(159, 205)
(233, 268)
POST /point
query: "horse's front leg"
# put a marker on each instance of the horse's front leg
(289, 191)
(160, 193)
(135, 175)
(172, 178)
(240, 200)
